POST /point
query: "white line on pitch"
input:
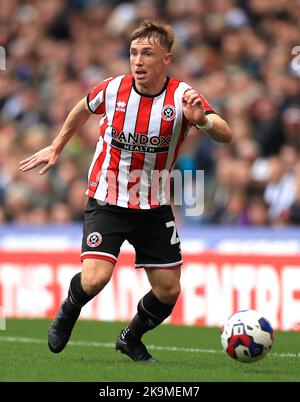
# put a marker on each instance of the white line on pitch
(111, 345)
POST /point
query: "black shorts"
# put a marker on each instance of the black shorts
(152, 233)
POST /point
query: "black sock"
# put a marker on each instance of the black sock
(77, 297)
(151, 313)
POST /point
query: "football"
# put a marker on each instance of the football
(247, 336)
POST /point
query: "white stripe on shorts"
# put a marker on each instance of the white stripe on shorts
(172, 264)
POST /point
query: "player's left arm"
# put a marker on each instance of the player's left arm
(212, 124)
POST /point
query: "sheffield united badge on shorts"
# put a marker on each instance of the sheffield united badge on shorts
(94, 239)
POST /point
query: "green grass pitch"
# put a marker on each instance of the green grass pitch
(191, 354)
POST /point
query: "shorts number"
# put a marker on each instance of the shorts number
(174, 238)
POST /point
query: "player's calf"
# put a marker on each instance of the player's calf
(151, 312)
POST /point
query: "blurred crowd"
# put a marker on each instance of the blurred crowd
(241, 54)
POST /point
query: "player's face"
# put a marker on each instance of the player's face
(148, 61)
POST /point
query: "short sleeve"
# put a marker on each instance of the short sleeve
(96, 97)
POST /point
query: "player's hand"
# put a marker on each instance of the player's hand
(192, 106)
(47, 155)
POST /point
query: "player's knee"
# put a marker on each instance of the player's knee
(93, 286)
(168, 295)
(95, 275)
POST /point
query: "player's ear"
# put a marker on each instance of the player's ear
(167, 58)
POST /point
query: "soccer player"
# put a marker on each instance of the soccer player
(145, 118)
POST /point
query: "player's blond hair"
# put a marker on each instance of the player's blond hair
(152, 29)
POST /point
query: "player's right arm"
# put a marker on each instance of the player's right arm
(49, 155)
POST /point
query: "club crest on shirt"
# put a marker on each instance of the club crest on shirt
(94, 239)
(168, 112)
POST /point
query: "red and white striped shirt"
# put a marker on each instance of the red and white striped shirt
(139, 134)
